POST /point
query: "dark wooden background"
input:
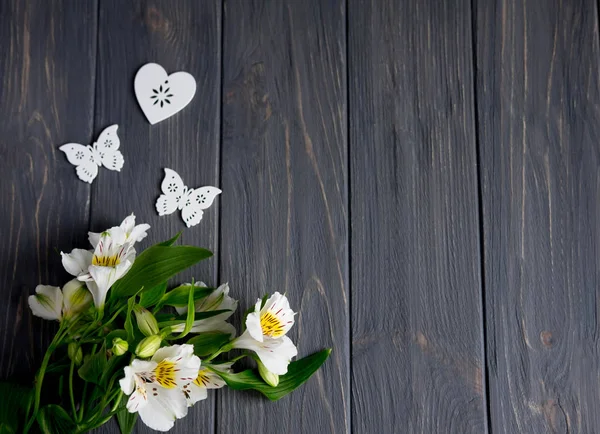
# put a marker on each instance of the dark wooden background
(421, 177)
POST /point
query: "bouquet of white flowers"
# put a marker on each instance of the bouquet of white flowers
(127, 345)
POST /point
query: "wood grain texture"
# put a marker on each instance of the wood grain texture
(180, 36)
(46, 99)
(284, 220)
(538, 99)
(417, 359)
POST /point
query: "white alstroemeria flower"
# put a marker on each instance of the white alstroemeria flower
(156, 386)
(76, 298)
(102, 268)
(128, 231)
(47, 303)
(197, 390)
(274, 320)
(219, 299)
(275, 354)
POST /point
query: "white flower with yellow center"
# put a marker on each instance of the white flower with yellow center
(274, 320)
(156, 386)
(265, 333)
(102, 268)
(128, 231)
(219, 299)
(197, 390)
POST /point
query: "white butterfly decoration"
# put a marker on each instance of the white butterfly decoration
(191, 201)
(105, 152)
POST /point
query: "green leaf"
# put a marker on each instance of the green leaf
(171, 241)
(126, 421)
(208, 343)
(53, 419)
(128, 321)
(179, 296)
(156, 265)
(153, 295)
(15, 403)
(176, 320)
(93, 368)
(298, 372)
(189, 321)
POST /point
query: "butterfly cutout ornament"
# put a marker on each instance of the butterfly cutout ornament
(104, 152)
(191, 201)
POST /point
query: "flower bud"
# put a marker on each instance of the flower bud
(145, 321)
(76, 297)
(120, 346)
(75, 353)
(270, 378)
(148, 346)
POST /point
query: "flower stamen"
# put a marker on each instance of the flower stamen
(271, 325)
(165, 374)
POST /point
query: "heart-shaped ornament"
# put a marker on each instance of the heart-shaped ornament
(160, 95)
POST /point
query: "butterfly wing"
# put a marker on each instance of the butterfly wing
(83, 158)
(107, 148)
(173, 192)
(166, 204)
(87, 172)
(196, 201)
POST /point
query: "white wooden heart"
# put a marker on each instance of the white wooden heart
(160, 95)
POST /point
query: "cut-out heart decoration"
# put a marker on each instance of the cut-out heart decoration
(160, 95)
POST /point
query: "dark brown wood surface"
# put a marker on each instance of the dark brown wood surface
(420, 177)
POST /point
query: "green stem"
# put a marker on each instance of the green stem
(85, 389)
(118, 401)
(41, 372)
(71, 395)
(115, 316)
(82, 405)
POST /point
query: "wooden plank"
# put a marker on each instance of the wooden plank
(417, 347)
(538, 98)
(180, 36)
(285, 220)
(47, 74)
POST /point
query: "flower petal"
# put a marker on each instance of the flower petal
(128, 223)
(173, 352)
(76, 297)
(253, 325)
(138, 399)
(194, 393)
(276, 358)
(104, 278)
(47, 303)
(77, 262)
(163, 408)
(128, 382)
(93, 238)
(123, 268)
(214, 324)
(138, 233)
